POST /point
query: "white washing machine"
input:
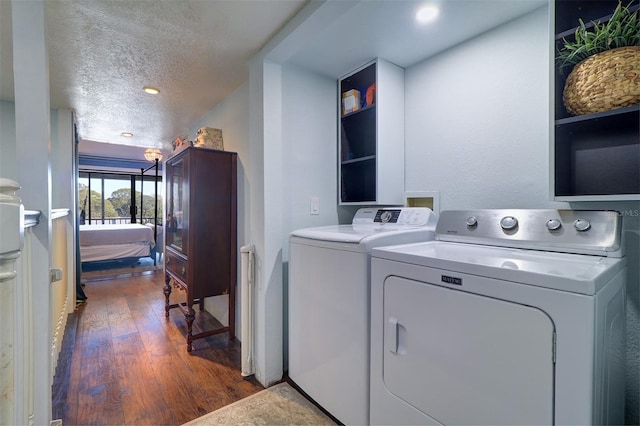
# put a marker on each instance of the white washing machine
(329, 294)
(508, 317)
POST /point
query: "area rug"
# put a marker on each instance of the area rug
(277, 405)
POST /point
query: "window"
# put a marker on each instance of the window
(105, 198)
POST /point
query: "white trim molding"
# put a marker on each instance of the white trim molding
(11, 233)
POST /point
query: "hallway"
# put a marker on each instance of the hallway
(124, 363)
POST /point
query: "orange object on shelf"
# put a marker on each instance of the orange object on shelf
(371, 94)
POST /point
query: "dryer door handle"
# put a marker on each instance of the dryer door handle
(397, 337)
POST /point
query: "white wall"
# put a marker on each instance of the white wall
(477, 130)
(309, 155)
(476, 123)
(112, 150)
(269, 130)
(265, 179)
(62, 140)
(293, 144)
(61, 151)
(232, 116)
(8, 140)
(63, 191)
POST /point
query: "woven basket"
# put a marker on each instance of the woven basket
(604, 81)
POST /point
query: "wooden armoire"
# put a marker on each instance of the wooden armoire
(201, 232)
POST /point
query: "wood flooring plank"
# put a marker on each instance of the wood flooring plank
(177, 383)
(120, 318)
(138, 381)
(99, 392)
(130, 365)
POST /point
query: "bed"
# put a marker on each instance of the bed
(109, 242)
(125, 241)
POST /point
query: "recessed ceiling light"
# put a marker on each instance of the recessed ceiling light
(427, 13)
(127, 134)
(151, 90)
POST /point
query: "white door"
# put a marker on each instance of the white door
(463, 358)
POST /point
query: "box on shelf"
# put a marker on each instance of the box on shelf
(350, 101)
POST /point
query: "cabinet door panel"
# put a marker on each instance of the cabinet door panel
(177, 204)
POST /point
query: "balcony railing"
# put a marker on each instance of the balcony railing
(118, 220)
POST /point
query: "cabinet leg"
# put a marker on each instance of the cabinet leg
(189, 316)
(167, 293)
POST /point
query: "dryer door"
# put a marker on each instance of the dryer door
(463, 358)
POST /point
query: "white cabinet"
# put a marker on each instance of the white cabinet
(371, 139)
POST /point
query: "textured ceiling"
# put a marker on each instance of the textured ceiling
(102, 53)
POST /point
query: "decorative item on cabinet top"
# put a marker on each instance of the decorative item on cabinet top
(180, 143)
(210, 138)
(605, 57)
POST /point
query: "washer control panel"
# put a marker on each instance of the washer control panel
(571, 231)
(400, 216)
(387, 216)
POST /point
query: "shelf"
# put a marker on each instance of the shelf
(363, 109)
(568, 12)
(592, 159)
(589, 23)
(357, 160)
(616, 197)
(358, 134)
(597, 115)
(359, 180)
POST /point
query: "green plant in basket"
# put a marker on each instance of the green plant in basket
(604, 61)
(623, 29)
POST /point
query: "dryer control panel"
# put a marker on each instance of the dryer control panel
(596, 232)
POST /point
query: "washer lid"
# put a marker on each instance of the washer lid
(575, 273)
(357, 234)
(371, 223)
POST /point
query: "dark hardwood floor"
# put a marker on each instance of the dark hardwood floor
(124, 363)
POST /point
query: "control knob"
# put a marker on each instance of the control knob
(508, 223)
(385, 216)
(472, 221)
(554, 224)
(582, 225)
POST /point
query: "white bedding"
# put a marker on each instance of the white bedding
(104, 242)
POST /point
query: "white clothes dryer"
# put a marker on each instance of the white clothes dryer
(329, 294)
(508, 317)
